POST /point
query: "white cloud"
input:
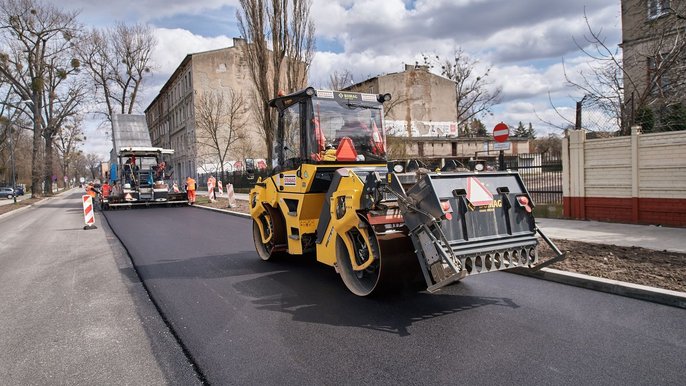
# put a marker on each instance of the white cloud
(174, 44)
(106, 12)
(523, 41)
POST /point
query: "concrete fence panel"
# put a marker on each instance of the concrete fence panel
(636, 179)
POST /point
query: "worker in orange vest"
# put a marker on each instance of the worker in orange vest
(90, 190)
(106, 189)
(190, 190)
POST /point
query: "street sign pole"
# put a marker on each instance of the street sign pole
(500, 134)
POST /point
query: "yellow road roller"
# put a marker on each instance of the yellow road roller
(332, 194)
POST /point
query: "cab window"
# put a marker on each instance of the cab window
(291, 136)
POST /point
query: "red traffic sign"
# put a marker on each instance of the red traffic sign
(501, 132)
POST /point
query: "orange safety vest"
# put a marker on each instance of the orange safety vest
(190, 184)
(106, 190)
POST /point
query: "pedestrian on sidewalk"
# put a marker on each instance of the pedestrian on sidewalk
(190, 190)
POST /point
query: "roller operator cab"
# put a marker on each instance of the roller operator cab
(332, 194)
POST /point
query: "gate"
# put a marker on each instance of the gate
(542, 175)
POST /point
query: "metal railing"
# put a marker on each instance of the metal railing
(542, 175)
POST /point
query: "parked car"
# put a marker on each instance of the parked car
(6, 193)
(19, 191)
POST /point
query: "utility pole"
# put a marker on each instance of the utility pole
(14, 172)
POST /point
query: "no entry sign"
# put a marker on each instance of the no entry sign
(501, 132)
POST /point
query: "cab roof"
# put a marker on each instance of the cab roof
(285, 101)
(143, 151)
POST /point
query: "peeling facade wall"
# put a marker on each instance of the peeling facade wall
(222, 71)
(423, 103)
(422, 115)
(171, 116)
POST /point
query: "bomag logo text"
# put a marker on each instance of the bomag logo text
(348, 96)
(487, 208)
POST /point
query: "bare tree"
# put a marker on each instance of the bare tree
(473, 97)
(92, 163)
(647, 79)
(118, 59)
(65, 93)
(39, 37)
(220, 125)
(280, 47)
(15, 147)
(340, 80)
(67, 142)
(78, 168)
(299, 44)
(8, 117)
(244, 149)
(552, 144)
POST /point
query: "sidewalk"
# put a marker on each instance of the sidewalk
(72, 309)
(625, 235)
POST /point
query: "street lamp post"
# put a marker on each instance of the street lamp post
(14, 173)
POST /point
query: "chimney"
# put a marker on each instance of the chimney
(416, 67)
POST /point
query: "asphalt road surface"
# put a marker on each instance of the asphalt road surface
(245, 321)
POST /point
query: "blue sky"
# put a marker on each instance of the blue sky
(523, 42)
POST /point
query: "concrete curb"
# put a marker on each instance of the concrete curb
(39, 203)
(226, 211)
(636, 291)
(15, 211)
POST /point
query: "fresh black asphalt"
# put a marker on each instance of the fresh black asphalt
(245, 321)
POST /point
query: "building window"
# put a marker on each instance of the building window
(453, 149)
(657, 8)
(420, 149)
(658, 78)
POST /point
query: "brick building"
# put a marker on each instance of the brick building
(171, 117)
(420, 120)
(653, 48)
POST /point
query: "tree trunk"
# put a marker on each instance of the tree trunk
(47, 165)
(269, 132)
(36, 168)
